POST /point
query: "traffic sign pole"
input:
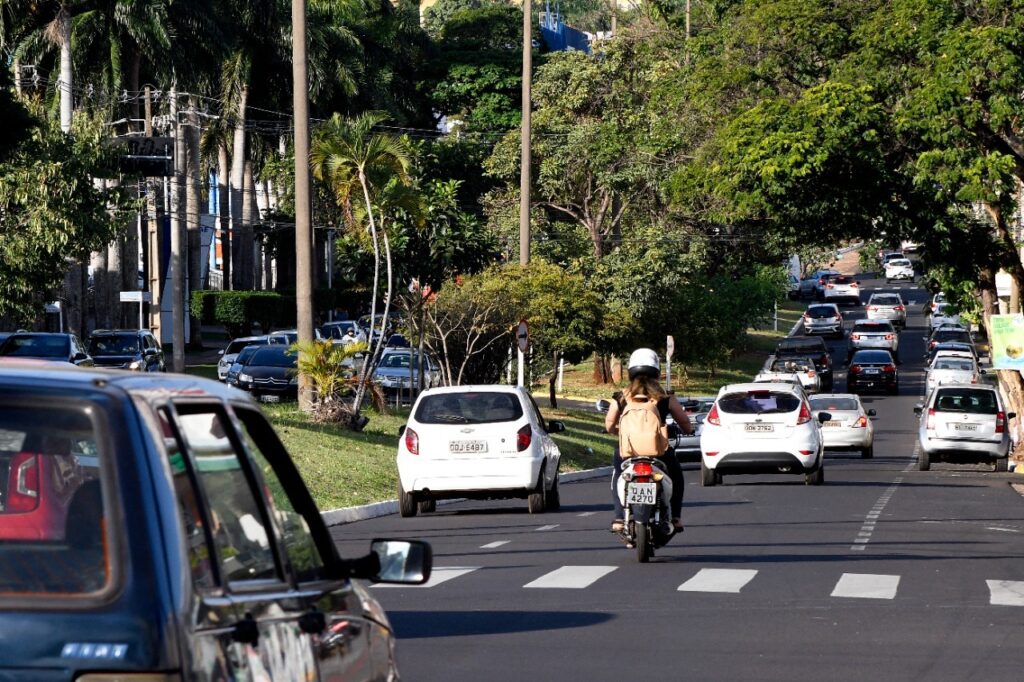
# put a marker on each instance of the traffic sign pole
(670, 347)
(523, 343)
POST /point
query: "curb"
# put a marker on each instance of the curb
(338, 517)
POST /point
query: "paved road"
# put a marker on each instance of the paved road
(883, 573)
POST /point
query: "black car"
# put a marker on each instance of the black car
(167, 535)
(271, 374)
(231, 379)
(948, 334)
(957, 346)
(45, 346)
(813, 347)
(134, 349)
(872, 370)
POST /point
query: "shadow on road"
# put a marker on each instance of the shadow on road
(429, 624)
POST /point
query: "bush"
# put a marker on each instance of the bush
(239, 310)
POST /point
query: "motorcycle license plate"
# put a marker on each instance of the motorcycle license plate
(641, 493)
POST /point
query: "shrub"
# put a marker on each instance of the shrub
(239, 310)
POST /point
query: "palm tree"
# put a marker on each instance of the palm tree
(350, 156)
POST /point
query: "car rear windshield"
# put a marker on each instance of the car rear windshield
(970, 400)
(821, 311)
(843, 279)
(885, 299)
(53, 534)
(953, 363)
(838, 404)
(758, 402)
(481, 407)
(273, 356)
(873, 327)
(900, 262)
(119, 344)
(871, 357)
(792, 365)
(951, 335)
(36, 346)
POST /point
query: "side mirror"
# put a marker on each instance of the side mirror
(602, 405)
(220, 352)
(872, 413)
(555, 426)
(824, 417)
(919, 408)
(407, 562)
(1011, 415)
(401, 430)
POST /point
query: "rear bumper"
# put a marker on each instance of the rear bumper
(494, 476)
(811, 329)
(965, 450)
(762, 462)
(880, 383)
(846, 438)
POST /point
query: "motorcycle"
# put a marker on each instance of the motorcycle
(644, 490)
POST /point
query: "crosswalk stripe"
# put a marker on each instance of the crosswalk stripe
(551, 526)
(495, 545)
(572, 577)
(440, 574)
(718, 580)
(866, 586)
(1006, 592)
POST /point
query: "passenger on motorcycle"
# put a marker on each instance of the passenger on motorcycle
(644, 372)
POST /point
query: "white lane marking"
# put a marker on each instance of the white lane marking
(590, 513)
(1004, 530)
(572, 577)
(868, 527)
(866, 586)
(440, 574)
(495, 545)
(1006, 592)
(718, 580)
(549, 527)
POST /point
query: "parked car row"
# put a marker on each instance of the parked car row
(131, 349)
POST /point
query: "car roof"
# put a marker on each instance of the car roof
(472, 388)
(104, 332)
(830, 396)
(781, 386)
(872, 323)
(247, 338)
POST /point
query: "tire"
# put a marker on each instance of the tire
(816, 477)
(428, 506)
(868, 452)
(708, 477)
(535, 501)
(1002, 465)
(406, 502)
(924, 462)
(554, 499)
(643, 543)
(895, 390)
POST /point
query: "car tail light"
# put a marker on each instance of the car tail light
(889, 368)
(855, 337)
(524, 437)
(412, 441)
(711, 454)
(888, 337)
(899, 309)
(830, 286)
(713, 417)
(805, 414)
(974, 379)
(23, 483)
(861, 422)
(854, 369)
(805, 452)
(854, 286)
(1000, 422)
(642, 469)
(932, 344)
(872, 308)
(930, 422)
(821, 281)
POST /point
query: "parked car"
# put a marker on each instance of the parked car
(849, 427)
(887, 307)
(287, 337)
(134, 349)
(271, 374)
(899, 269)
(944, 314)
(813, 347)
(872, 370)
(842, 289)
(793, 290)
(951, 347)
(949, 368)
(963, 423)
(947, 333)
(399, 370)
(229, 354)
(937, 299)
(336, 332)
(761, 429)
(778, 369)
(45, 346)
(874, 334)
(189, 549)
(687, 447)
(484, 442)
(240, 361)
(823, 318)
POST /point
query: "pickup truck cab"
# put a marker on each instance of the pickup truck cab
(153, 527)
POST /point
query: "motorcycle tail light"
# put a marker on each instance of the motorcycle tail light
(23, 483)
(524, 437)
(412, 442)
(713, 417)
(1000, 422)
(642, 469)
(930, 423)
(861, 422)
(805, 414)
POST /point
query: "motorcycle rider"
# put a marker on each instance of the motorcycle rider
(644, 372)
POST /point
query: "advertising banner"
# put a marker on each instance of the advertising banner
(1008, 342)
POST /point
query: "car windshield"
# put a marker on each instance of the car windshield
(52, 522)
(834, 404)
(843, 279)
(887, 299)
(396, 360)
(246, 354)
(273, 357)
(820, 311)
(970, 400)
(871, 357)
(478, 407)
(758, 402)
(120, 344)
(36, 346)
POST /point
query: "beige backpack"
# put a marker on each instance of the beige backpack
(641, 431)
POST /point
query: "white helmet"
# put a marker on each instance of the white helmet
(644, 362)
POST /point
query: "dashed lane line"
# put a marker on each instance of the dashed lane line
(495, 545)
(550, 526)
(440, 574)
(867, 528)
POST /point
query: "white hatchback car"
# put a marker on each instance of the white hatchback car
(943, 314)
(482, 442)
(899, 268)
(850, 427)
(951, 368)
(963, 423)
(762, 428)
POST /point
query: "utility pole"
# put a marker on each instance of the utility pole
(303, 209)
(524, 162)
(151, 250)
(177, 260)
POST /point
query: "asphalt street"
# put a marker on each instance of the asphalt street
(883, 573)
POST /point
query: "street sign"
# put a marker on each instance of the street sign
(523, 336)
(670, 347)
(135, 296)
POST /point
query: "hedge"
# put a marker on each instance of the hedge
(239, 310)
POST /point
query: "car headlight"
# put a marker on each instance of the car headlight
(294, 381)
(135, 365)
(245, 377)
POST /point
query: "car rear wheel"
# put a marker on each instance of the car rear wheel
(707, 476)
(535, 501)
(924, 462)
(868, 452)
(428, 506)
(1002, 464)
(816, 477)
(406, 502)
(554, 499)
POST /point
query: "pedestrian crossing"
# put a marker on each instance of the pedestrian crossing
(848, 586)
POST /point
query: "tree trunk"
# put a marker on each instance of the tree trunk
(179, 255)
(602, 370)
(193, 222)
(250, 216)
(238, 155)
(367, 364)
(66, 91)
(224, 221)
(17, 77)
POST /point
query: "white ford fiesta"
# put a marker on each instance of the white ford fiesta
(761, 428)
(481, 442)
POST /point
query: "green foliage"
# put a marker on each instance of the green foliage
(239, 310)
(323, 362)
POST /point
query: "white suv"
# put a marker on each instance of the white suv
(963, 423)
(761, 429)
(482, 442)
